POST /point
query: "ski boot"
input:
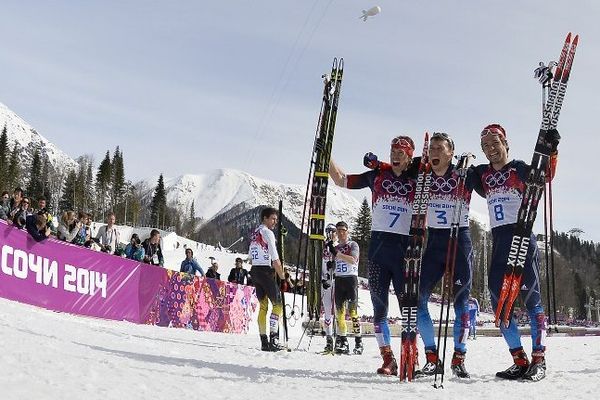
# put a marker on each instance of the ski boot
(329, 346)
(341, 345)
(433, 364)
(390, 366)
(264, 343)
(537, 368)
(358, 346)
(518, 369)
(274, 342)
(458, 365)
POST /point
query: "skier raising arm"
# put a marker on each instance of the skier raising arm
(502, 183)
(392, 187)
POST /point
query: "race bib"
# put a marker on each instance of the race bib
(391, 216)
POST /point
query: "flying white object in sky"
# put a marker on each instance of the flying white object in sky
(371, 12)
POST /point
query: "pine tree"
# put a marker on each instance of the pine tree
(13, 176)
(361, 234)
(4, 157)
(35, 188)
(67, 201)
(103, 182)
(158, 207)
(192, 221)
(88, 200)
(118, 179)
(46, 175)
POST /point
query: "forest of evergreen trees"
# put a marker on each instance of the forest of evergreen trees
(94, 190)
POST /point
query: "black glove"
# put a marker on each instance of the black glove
(370, 161)
(326, 284)
(330, 264)
(332, 248)
(553, 137)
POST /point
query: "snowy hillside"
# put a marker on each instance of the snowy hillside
(28, 138)
(219, 190)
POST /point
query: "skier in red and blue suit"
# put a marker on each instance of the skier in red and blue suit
(502, 183)
(393, 189)
(443, 194)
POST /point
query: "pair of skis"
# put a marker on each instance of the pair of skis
(412, 269)
(448, 279)
(316, 191)
(534, 186)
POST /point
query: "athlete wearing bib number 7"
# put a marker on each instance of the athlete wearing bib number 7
(502, 183)
(392, 187)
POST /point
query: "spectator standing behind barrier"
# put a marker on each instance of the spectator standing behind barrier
(19, 215)
(190, 265)
(134, 250)
(5, 206)
(69, 226)
(212, 271)
(42, 207)
(108, 235)
(36, 226)
(154, 254)
(17, 197)
(84, 233)
(238, 274)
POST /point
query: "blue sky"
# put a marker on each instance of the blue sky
(185, 87)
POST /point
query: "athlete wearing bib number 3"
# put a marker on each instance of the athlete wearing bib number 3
(392, 187)
(442, 200)
(502, 183)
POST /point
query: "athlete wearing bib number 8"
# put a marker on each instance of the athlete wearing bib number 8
(392, 187)
(502, 183)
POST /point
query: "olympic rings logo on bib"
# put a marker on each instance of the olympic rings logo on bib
(440, 184)
(395, 187)
(497, 179)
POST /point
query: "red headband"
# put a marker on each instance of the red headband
(403, 143)
(493, 129)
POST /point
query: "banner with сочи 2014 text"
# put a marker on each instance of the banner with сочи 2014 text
(68, 278)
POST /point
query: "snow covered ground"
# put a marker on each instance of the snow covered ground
(48, 355)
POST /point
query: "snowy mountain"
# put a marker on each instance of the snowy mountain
(28, 139)
(218, 191)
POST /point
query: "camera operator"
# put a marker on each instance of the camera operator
(108, 235)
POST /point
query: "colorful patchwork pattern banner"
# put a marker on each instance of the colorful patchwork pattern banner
(204, 304)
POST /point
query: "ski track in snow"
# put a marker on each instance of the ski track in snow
(53, 355)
